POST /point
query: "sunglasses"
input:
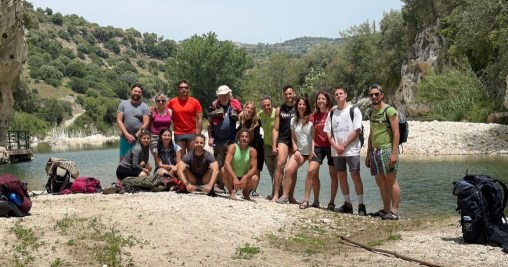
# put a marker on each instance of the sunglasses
(374, 94)
(160, 101)
(183, 87)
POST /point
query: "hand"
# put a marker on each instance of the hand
(173, 168)
(148, 167)
(142, 164)
(207, 188)
(274, 151)
(237, 184)
(130, 138)
(393, 160)
(190, 188)
(210, 142)
(367, 159)
(340, 149)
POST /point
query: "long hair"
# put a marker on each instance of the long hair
(329, 103)
(251, 123)
(160, 146)
(307, 112)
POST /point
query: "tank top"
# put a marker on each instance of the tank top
(160, 121)
(241, 161)
(285, 114)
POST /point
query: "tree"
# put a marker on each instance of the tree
(208, 63)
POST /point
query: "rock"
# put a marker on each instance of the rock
(4, 156)
(499, 117)
(13, 54)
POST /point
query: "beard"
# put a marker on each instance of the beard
(135, 97)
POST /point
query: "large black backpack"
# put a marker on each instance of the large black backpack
(481, 204)
(60, 171)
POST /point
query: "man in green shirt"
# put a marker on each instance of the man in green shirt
(267, 117)
(383, 153)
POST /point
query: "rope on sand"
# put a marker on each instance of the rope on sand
(393, 253)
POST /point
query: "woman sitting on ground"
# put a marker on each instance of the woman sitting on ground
(166, 154)
(135, 163)
(240, 166)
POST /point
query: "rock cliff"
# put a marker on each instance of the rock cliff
(13, 52)
(424, 55)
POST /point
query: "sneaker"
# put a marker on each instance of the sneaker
(379, 213)
(254, 194)
(217, 189)
(234, 115)
(361, 210)
(390, 216)
(269, 197)
(109, 190)
(346, 208)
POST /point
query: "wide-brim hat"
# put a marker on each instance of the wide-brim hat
(223, 90)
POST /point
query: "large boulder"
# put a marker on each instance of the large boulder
(13, 52)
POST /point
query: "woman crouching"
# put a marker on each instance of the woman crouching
(167, 154)
(135, 163)
(240, 166)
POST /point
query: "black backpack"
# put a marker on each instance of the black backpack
(352, 116)
(481, 205)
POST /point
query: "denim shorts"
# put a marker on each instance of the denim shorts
(353, 162)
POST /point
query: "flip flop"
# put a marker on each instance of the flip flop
(304, 205)
(282, 200)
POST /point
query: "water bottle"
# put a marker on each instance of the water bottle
(468, 223)
(12, 197)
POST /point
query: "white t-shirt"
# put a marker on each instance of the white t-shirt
(342, 127)
(303, 134)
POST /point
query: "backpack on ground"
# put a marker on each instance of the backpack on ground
(481, 204)
(154, 183)
(60, 171)
(14, 198)
(352, 116)
(86, 185)
(403, 124)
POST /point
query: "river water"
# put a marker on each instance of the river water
(426, 181)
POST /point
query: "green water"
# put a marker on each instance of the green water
(426, 181)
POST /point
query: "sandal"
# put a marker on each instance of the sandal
(304, 205)
(331, 206)
(316, 204)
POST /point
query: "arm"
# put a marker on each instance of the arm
(119, 122)
(145, 125)
(210, 132)
(394, 124)
(311, 151)
(181, 167)
(351, 137)
(215, 172)
(199, 122)
(369, 148)
(275, 131)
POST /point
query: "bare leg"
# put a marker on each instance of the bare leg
(228, 182)
(357, 180)
(393, 187)
(334, 186)
(282, 157)
(385, 194)
(249, 186)
(344, 186)
(310, 180)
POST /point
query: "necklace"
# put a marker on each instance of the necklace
(198, 159)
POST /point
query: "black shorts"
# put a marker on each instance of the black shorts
(122, 172)
(321, 153)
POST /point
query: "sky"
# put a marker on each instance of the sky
(251, 22)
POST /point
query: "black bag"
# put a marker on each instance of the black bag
(60, 171)
(481, 204)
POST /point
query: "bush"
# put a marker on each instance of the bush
(30, 122)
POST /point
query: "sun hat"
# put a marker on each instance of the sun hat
(223, 90)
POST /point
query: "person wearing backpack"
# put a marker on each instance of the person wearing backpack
(343, 132)
(383, 153)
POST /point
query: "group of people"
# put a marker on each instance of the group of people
(293, 134)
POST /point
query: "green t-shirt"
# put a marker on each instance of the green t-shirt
(382, 135)
(267, 125)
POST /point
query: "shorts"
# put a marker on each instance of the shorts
(353, 163)
(260, 157)
(321, 153)
(287, 142)
(184, 137)
(124, 146)
(379, 162)
(123, 172)
(154, 142)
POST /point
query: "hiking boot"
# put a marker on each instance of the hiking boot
(379, 213)
(361, 210)
(346, 208)
(390, 216)
(216, 113)
(234, 115)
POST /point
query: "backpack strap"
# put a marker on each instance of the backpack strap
(331, 120)
(505, 193)
(352, 112)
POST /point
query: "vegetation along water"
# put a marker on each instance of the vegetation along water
(426, 180)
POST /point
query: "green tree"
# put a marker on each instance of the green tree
(208, 63)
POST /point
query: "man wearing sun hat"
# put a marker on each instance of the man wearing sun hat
(222, 117)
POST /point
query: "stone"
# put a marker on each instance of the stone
(13, 53)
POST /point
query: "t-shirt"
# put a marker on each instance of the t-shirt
(133, 115)
(136, 155)
(185, 114)
(241, 161)
(382, 135)
(198, 165)
(318, 120)
(267, 125)
(286, 113)
(224, 131)
(342, 127)
(167, 155)
(303, 134)
(160, 121)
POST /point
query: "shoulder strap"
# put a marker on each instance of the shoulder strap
(505, 192)
(386, 115)
(352, 112)
(331, 120)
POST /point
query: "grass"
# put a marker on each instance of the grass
(246, 252)
(27, 241)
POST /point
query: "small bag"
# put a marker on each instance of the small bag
(86, 185)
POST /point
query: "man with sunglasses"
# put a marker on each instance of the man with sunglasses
(383, 153)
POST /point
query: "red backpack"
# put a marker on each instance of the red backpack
(11, 184)
(86, 185)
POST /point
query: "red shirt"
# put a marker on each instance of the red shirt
(318, 120)
(184, 114)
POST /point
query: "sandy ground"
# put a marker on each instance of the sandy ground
(169, 229)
